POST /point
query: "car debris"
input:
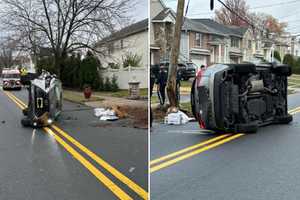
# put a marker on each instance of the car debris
(177, 118)
(105, 114)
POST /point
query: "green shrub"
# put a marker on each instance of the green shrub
(114, 84)
(277, 55)
(88, 73)
(131, 59)
(289, 60)
(107, 84)
(296, 69)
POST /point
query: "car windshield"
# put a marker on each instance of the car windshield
(11, 75)
(191, 65)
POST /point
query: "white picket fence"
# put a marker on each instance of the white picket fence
(125, 75)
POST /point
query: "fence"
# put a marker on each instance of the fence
(124, 75)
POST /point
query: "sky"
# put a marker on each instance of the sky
(287, 10)
(141, 10)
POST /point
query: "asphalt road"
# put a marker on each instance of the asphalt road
(258, 166)
(81, 159)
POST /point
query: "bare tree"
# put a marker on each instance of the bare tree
(9, 53)
(171, 85)
(63, 26)
(226, 17)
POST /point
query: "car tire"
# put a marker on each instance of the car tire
(193, 99)
(284, 119)
(244, 68)
(246, 128)
(25, 111)
(25, 122)
(283, 70)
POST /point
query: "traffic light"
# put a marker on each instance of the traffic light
(211, 4)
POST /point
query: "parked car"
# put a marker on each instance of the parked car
(186, 70)
(11, 79)
(241, 97)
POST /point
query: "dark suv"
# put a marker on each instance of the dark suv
(187, 70)
(241, 97)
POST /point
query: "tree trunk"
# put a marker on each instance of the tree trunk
(171, 85)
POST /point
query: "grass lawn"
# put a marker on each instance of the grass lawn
(294, 81)
(78, 97)
(186, 84)
(187, 107)
(154, 99)
(122, 93)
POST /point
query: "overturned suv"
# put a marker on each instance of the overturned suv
(241, 97)
(44, 100)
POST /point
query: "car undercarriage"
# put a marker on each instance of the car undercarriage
(241, 97)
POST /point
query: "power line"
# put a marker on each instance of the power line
(275, 4)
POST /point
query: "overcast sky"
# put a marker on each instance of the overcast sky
(287, 11)
(141, 10)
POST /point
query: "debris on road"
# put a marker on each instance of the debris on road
(105, 114)
(177, 118)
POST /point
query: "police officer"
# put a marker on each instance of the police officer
(162, 83)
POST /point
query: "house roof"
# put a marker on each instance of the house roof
(163, 14)
(227, 30)
(203, 25)
(188, 24)
(132, 29)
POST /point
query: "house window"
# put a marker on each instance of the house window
(249, 44)
(235, 42)
(121, 44)
(198, 40)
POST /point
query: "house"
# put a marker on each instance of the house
(129, 41)
(155, 47)
(203, 41)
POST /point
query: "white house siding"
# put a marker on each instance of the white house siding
(135, 44)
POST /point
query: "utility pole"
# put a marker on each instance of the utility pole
(171, 85)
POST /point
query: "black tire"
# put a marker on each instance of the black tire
(246, 128)
(244, 68)
(26, 122)
(193, 99)
(25, 111)
(283, 70)
(284, 119)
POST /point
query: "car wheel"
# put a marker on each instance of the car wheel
(244, 68)
(284, 119)
(283, 70)
(26, 122)
(246, 128)
(25, 111)
(193, 98)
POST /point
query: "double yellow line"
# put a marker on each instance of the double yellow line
(175, 157)
(59, 134)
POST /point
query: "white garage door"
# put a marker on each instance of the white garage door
(199, 60)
